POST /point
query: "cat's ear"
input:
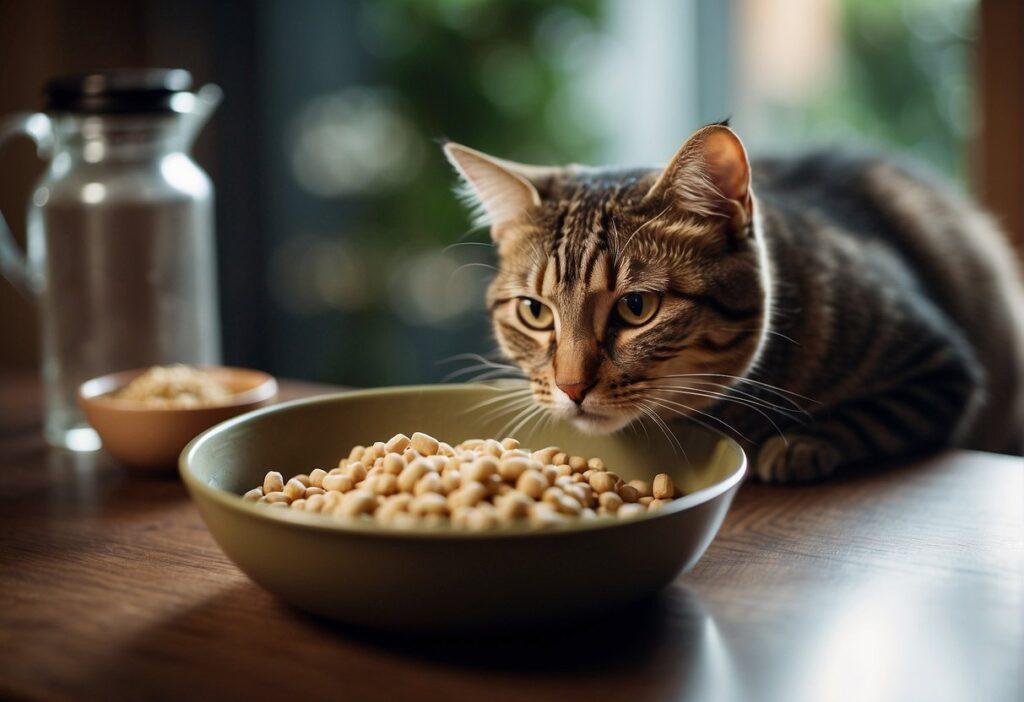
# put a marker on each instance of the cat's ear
(709, 176)
(502, 189)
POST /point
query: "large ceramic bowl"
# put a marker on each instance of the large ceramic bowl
(440, 579)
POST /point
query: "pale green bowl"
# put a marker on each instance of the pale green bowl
(441, 579)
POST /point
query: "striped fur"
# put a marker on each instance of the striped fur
(862, 314)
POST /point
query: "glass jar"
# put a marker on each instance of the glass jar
(121, 256)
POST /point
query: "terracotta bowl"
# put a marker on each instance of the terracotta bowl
(152, 437)
(439, 579)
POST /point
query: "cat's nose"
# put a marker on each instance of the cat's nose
(576, 391)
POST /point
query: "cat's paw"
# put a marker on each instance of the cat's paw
(796, 459)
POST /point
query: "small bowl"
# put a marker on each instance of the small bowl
(440, 579)
(152, 437)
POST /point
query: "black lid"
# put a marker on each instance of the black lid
(119, 91)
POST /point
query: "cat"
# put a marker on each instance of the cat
(832, 311)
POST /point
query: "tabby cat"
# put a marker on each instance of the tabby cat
(832, 311)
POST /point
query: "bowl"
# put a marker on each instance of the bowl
(439, 580)
(152, 438)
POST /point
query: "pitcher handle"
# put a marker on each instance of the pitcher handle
(39, 129)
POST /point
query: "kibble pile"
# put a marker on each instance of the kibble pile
(479, 484)
(175, 386)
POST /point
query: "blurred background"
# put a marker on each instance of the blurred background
(343, 255)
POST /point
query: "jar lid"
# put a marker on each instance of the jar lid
(119, 91)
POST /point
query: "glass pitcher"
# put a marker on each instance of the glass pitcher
(120, 240)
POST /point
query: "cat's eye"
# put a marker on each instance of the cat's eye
(535, 314)
(637, 308)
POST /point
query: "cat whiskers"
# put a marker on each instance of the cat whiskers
(781, 393)
(517, 389)
(647, 411)
(471, 264)
(474, 230)
(521, 419)
(730, 395)
(493, 374)
(728, 391)
(640, 424)
(516, 405)
(677, 408)
(491, 369)
(771, 332)
(506, 394)
(467, 243)
(516, 400)
(724, 398)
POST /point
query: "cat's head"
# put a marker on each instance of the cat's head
(617, 288)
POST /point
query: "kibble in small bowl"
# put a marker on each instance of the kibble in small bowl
(478, 484)
(146, 416)
(406, 537)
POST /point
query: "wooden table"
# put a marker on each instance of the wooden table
(905, 585)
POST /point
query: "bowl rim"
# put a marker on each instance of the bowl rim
(300, 519)
(91, 393)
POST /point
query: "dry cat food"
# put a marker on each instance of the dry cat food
(479, 484)
(175, 386)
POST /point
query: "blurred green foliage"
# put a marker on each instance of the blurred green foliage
(475, 71)
(906, 79)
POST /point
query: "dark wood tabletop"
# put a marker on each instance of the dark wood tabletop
(907, 584)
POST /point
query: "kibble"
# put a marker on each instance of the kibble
(341, 483)
(428, 503)
(481, 469)
(430, 482)
(532, 483)
(477, 485)
(397, 443)
(424, 443)
(602, 482)
(393, 463)
(481, 519)
(451, 480)
(386, 484)
(273, 482)
(357, 502)
(629, 511)
(663, 487)
(294, 489)
(411, 474)
(610, 501)
(469, 495)
(642, 487)
(628, 493)
(511, 468)
(356, 471)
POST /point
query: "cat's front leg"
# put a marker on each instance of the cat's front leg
(927, 411)
(796, 458)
